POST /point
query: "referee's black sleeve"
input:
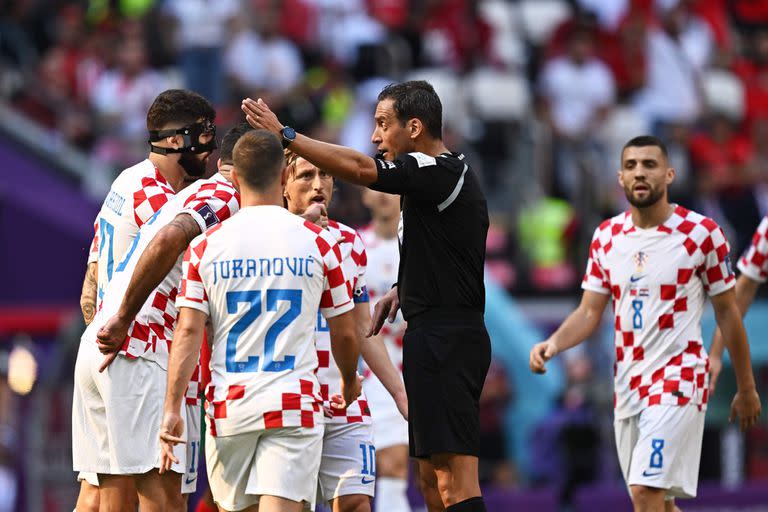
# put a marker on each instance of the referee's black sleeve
(417, 175)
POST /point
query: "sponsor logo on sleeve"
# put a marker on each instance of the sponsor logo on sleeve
(208, 215)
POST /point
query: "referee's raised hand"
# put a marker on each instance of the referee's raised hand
(387, 307)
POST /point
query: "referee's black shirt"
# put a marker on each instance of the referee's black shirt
(442, 242)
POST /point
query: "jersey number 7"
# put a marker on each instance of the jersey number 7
(253, 311)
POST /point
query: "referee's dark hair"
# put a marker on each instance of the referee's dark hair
(258, 159)
(416, 99)
(230, 139)
(645, 141)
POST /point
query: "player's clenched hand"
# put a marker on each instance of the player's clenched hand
(112, 335)
(715, 367)
(316, 213)
(110, 338)
(349, 393)
(386, 308)
(170, 435)
(258, 115)
(540, 354)
(745, 405)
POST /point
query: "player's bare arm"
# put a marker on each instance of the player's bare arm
(346, 352)
(339, 161)
(153, 265)
(746, 289)
(746, 402)
(579, 325)
(386, 308)
(185, 349)
(90, 292)
(375, 355)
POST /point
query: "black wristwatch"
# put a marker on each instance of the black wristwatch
(289, 135)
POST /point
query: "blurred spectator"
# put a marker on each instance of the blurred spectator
(677, 51)
(261, 62)
(201, 28)
(609, 12)
(577, 91)
(723, 158)
(753, 70)
(546, 230)
(120, 98)
(454, 34)
(344, 26)
(749, 14)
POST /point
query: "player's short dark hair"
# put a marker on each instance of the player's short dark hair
(416, 99)
(644, 141)
(179, 107)
(230, 139)
(258, 159)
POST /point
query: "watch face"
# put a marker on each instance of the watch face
(289, 133)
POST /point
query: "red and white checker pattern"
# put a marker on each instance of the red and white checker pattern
(354, 260)
(134, 197)
(754, 262)
(158, 315)
(659, 279)
(244, 394)
(216, 195)
(383, 257)
(152, 196)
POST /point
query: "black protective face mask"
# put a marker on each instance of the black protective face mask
(191, 135)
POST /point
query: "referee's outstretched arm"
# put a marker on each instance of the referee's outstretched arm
(339, 161)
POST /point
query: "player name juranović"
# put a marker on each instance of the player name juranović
(262, 267)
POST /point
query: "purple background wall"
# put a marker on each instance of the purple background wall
(45, 231)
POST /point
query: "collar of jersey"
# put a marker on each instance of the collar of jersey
(629, 227)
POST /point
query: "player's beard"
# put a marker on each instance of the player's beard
(653, 197)
(192, 165)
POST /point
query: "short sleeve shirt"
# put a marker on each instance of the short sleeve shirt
(262, 300)
(754, 262)
(659, 279)
(134, 197)
(354, 262)
(445, 223)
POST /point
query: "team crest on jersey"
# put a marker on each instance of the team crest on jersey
(640, 259)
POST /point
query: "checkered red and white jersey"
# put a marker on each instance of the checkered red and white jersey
(381, 274)
(262, 293)
(208, 202)
(659, 279)
(354, 260)
(134, 197)
(754, 261)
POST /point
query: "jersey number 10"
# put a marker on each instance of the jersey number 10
(253, 299)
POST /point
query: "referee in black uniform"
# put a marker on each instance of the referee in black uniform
(446, 349)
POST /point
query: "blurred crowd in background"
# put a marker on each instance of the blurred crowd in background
(539, 94)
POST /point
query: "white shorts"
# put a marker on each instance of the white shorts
(279, 462)
(348, 464)
(91, 478)
(389, 426)
(192, 430)
(116, 415)
(189, 479)
(661, 448)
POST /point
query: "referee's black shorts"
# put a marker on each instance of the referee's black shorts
(445, 360)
